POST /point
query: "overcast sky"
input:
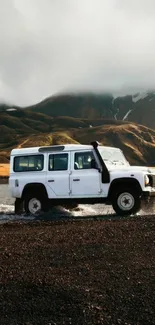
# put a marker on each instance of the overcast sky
(52, 46)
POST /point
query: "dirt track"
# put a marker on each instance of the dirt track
(78, 272)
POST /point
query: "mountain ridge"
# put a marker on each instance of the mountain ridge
(133, 108)
(95, 105)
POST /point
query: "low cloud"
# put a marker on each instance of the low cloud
(52, 46)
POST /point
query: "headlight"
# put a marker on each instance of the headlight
(146, 180)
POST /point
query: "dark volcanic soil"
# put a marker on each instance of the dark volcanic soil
(78, 272)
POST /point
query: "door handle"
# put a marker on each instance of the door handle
(76, 179)
(51, 180)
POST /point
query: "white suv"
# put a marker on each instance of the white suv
(43, 177)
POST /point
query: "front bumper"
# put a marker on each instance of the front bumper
(148, 194)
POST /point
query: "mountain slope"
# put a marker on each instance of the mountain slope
(138, 108)
(136, 141)
(143, 111)
(77, 105)
(92, 117)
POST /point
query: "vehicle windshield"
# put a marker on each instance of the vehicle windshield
(113, 156)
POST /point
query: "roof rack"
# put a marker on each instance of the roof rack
(51, 148)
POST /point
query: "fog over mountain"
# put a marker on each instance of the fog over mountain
(52, 46)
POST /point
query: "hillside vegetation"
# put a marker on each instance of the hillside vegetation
(81, 119)
(137, 142)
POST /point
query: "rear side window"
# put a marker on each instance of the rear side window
(28, 163)
(58, 162)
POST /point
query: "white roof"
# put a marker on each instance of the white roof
(67, 147)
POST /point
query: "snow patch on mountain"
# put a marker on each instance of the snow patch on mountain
(139, 96)
(126, 115)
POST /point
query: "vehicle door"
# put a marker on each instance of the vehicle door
(85, 179)
(58, 174)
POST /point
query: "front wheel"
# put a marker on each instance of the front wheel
(126, 202)
(35, 205)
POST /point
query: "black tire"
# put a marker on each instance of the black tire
(19, 209)
(126, 201)
(35, 205)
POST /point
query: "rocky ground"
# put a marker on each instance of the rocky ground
(78, 272)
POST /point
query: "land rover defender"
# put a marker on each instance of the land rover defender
(43, 177)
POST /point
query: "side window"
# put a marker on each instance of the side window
(28, 163)
(58, 162)
(84, 160)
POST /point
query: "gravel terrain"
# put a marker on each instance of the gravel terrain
(78, 272)
(80, 267)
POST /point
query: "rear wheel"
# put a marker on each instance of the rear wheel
(35, 205)
(126, 202)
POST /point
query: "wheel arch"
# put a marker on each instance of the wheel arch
(33, 187)
(123, 182)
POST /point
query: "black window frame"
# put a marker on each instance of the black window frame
(80, 152)
(25, 156)
(54, 155)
